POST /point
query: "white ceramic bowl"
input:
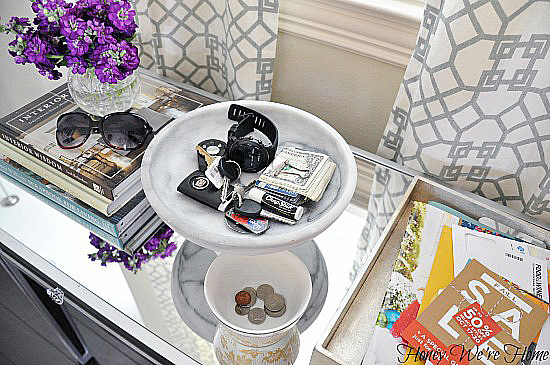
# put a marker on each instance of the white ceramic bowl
(228, 274)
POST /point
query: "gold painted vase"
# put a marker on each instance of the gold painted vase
(274, 341)
(236, 348)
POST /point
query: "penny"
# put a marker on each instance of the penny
(264, 290)
(275, 314)
(252, 293)
(243, 298)
(256, 315)
(241, 311)
(274, 302)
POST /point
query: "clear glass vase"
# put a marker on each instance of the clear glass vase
(98, 98)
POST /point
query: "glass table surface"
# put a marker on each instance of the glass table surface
(147, 301)
(146, 297)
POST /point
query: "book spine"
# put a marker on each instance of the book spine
(60, 181)
(58, 198)
(78, 219)
(97, 187)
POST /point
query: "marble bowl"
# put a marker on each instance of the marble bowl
(285, 272)
(171, 156)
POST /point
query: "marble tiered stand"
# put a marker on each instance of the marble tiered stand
(171, 156)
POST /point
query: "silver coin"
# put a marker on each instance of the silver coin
(252, 293)
(241, 311)
(264, 290)
(256, 315)
(274, 302)
(275, 314)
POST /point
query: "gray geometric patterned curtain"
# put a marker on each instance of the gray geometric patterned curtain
(473, 108)
(226, 47)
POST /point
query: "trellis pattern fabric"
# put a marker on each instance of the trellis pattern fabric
(226, 47)
(473, 108)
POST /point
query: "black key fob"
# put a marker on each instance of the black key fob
(249, 208)
(198, 187)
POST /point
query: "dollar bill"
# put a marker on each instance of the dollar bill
(305, 172)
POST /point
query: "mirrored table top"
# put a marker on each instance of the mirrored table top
(164, 297)
(147, 297)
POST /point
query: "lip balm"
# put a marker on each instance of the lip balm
(275, 204)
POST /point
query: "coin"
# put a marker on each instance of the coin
(264, 290)
(243, 298)
(275, 314)
(274, 302)
(241, 311)
(252, 293)
(256, 315)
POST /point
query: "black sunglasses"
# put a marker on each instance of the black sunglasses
(120, 131)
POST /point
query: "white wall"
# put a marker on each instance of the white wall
(352, 93)
(18, 84)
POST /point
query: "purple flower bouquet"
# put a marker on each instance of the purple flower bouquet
(158, 246)
(86, 34)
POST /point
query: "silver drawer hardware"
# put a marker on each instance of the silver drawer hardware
(56, 295)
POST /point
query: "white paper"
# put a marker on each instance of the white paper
(501, 255)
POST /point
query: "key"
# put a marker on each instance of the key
(208, 158)
(229, 169)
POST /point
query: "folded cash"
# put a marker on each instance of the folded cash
(304, 172)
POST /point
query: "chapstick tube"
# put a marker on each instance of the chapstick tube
(275, 204)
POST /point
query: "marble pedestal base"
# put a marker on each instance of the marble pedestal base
(190, 267)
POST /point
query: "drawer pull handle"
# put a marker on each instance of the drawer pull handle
(56, 295)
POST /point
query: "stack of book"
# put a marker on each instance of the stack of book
(93, 184)
(462, 292)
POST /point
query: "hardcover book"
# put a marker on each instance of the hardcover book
(116, 225)
(94, 165)
(133, 233)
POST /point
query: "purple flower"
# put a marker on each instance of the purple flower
(16, 25)
(157, 246)
(94, 240)
(78, 47)
(37, 49)
(122, 15)
(169, 250)
(115, 61)
(72, 27)
(16, 49)
(86, 34)
(77, 65)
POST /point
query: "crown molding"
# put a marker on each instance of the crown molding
(384, 30)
